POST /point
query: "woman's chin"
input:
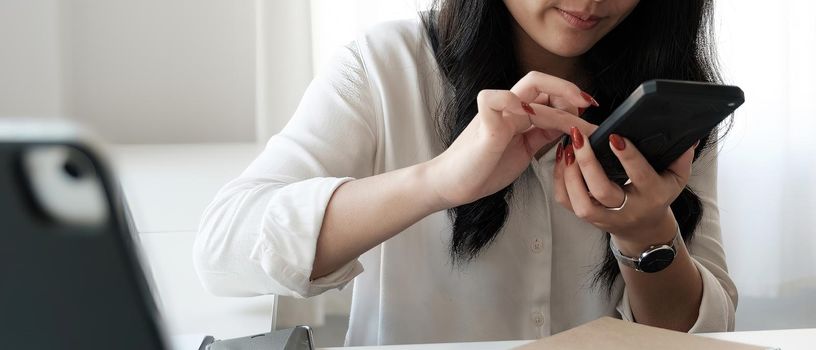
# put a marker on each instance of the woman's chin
(571, 49)
(567, 49)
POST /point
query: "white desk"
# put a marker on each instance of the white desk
(167, 188)
(794, 339)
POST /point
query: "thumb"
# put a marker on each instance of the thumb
(679, 171)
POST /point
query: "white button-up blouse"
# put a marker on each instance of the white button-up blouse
(371, 111)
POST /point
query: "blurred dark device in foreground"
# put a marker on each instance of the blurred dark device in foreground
(71, 275)
(664, 118)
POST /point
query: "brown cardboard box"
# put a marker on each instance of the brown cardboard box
(613, 334)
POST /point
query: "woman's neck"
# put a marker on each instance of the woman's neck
(533, 57)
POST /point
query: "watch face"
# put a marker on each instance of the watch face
(657, 260)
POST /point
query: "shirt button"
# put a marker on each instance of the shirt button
(538, 319)
(537, 245)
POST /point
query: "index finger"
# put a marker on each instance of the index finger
(536, 83)
(634, 163)
(550, 118)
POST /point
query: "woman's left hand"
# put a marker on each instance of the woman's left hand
(581, 185)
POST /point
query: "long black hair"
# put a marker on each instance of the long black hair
(474, 48)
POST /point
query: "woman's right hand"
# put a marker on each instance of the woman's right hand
(510, 127)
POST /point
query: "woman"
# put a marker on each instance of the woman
(422, 163)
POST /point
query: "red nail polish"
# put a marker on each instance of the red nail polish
(589, 99)
(527, 108)
(569, 155)
(577, 138)
(559, 153)
(617, 142)
(581, 111)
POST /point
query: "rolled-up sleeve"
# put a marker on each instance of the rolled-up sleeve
(719, 301)
(259, 234)
(285, 248)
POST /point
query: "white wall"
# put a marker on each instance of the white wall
(174, 71)
(284, 61)
(337, 22)
(147, 71)
(30, 72)
(162, 71)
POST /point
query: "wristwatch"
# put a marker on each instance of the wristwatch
(653, 259)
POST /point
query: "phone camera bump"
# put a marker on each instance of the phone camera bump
(72, 169)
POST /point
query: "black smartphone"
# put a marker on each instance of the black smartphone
(664, 118)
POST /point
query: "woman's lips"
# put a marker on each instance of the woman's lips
(579, 20)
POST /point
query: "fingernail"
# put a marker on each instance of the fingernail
(527, 108)
(589, 99)
(617, 142)
(559, 153)
(569, 155)
(581, 111)
(577, 138)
